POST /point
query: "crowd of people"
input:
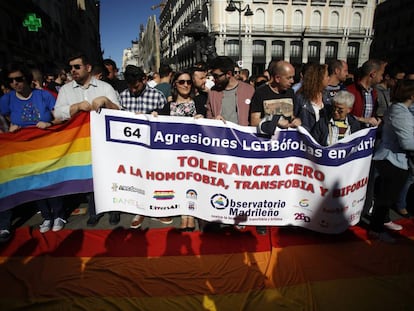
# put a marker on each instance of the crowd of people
(326, 100)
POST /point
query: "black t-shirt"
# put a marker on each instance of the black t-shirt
(265, 96)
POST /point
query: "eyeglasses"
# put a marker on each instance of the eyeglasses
(217, 75)
(337, 109)
(237, 71)
(181, 82)
(17, 79)
(76, 66)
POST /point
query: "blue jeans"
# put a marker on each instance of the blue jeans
(402, 198)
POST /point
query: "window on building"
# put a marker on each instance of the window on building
(296, 52)
(356, 22)
(316, 21)
(278, 49)
(232, 48)
(259, 48)
(297, 20)
(334, 20)
(331, 51)
(259, 20)
(352, 56)
(279, 20)
(314, 51)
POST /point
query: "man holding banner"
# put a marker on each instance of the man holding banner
(86, 93)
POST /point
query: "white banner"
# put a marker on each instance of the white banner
(169, 166)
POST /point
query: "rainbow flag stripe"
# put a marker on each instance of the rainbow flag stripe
(37, 164)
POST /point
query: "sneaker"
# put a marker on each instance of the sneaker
(393, 226)
(45, 226)
(164, 220)
(58, 224)
(381, 236)
(137, 221)
(5, 235)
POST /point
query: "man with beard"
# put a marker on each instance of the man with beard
(199, 77)
(276, 96)
(140, 98)
(230, 98)
(86, 93)
(337, 71)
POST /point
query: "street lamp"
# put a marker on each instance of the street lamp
(231, 7)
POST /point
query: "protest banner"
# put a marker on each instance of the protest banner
(168, 166)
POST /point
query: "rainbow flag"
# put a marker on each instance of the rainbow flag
(37, 164)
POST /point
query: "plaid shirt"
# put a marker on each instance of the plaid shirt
(369, 104)
(149, 100)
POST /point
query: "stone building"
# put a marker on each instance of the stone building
(298, 31)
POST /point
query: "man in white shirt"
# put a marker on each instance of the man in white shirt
(86, 93)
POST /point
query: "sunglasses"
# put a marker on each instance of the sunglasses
(76, 66)
(181, 82)
(237, 71)
(17, 79)
(217, 75)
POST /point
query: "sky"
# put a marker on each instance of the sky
(119, 24)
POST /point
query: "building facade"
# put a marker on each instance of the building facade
(145, 52)
(59, 29)
(298, 31)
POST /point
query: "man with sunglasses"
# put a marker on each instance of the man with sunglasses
(230, 98)
(86, 93)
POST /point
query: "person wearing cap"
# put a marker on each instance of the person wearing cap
(140, 98)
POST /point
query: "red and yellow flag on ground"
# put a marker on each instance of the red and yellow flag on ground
(163, 269)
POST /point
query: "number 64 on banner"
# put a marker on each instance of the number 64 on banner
(128, 132)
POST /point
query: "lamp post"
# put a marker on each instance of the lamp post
(231, 7)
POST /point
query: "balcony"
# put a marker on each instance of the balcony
(336, 2)
(359, 3)
(318, 2)
(300, 2)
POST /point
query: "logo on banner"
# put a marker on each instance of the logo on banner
(219, 201)
(304, 203)
(191, 194)
(115, 187)
(163, 195)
